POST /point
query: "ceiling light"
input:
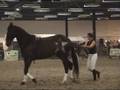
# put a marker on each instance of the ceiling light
(60, 0)
(110, 1)
(17, 9)
(64, 14)
(42, 10)
(39, 1)
(83, 15)
(114, 9)
(115, 15)
(102, 18)
(40, 18)
(8, 13)
(13, 14)
(91, 5)
(12, 0)
(99, 13)
(50, 16)
(75, 10)
(34, 6)
(8, 18)
(3, 5)
(72, 18)
(44, 35)
(17, 15)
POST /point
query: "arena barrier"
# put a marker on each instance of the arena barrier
(115, 52)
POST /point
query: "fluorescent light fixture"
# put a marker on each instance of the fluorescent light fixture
(17, 9)
(98, 18)
(115, 15)
(42, 10)
(8, 18)
(99, 13)
(56, 0)
(77, 38)
(91, 5)
(114, 9)
(17, 15)
(13, 14)
(39, 1)
(3, 5)
(72, 18)
(60, 0)
(50, 16)
(12, 0)
(44, 35)
(75, 10)
(8, 13)
(83, 15)
(64, 14)
(102, 18)
(65, 0)
(40, 18)
(110, 1)
(34, 6)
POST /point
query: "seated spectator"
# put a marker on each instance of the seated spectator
(115, 44)
(1, 51)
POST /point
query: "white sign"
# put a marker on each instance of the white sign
(114, 52)
(11, 55)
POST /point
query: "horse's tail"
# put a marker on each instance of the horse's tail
(75, 63)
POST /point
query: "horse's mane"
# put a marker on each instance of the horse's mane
(19, 29)
(25, 37)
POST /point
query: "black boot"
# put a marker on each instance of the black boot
(98, 74)
(94, 75)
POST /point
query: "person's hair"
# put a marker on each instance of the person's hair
(91, 35)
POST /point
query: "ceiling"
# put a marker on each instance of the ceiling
(59, 9)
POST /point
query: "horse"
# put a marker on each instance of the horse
(34, 48)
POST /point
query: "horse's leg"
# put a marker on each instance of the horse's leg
(31, 77)
(70, 63)
(62, 56)
(73, 57)
(65, 63)
(71, 69)
(27, 64)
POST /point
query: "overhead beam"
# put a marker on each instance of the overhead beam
(66, 27)
(94, 25)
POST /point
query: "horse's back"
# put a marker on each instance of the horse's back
(45, 47)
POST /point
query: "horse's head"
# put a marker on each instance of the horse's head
(10, 34)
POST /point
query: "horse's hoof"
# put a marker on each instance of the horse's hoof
(63, 82)
(22, 83)
(34, 80)
(71, 78)
(75, 80)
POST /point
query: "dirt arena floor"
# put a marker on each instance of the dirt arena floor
(49, 74)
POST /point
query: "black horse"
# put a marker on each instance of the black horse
(39, 48)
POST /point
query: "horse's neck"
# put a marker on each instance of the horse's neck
(24, 39)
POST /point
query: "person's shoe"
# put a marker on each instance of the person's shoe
(94, 75)
(98, 74)
(34, 80)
